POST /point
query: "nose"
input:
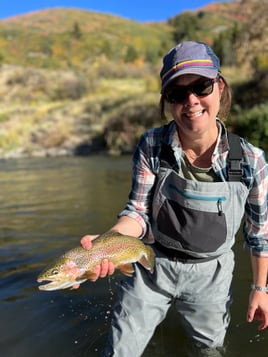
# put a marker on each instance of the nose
(191, 98)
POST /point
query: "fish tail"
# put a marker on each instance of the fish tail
(147, 259)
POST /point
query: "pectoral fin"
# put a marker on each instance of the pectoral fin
(89, 275)
(126, 269)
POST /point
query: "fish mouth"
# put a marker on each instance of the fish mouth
(50, 285)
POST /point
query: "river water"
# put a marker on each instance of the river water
(47, 205)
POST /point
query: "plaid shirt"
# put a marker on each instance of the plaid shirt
(146, 164)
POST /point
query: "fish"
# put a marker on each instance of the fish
(77, 265)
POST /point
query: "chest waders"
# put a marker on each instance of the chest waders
(194, 224)
(195, 221)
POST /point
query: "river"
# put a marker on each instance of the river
(47, 205)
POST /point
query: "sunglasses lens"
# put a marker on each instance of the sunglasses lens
(178, 94)
(203, 88)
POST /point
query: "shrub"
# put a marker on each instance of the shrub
(253, 125)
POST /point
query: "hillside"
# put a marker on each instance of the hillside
(77, 82)
(251, 44)
(70, 38)
(237, 30)
(58, 38)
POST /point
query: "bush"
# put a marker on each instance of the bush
(253, 125)
(253, 92)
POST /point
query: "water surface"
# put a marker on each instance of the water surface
(47, 205)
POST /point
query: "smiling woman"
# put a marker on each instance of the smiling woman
(191, 188)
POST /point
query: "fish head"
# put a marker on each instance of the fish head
(61, 274)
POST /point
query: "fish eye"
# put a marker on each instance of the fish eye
(54, 271)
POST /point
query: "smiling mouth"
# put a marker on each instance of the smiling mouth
(195, 115)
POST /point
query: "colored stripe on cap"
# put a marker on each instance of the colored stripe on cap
(188, 64)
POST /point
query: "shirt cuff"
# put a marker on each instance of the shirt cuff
(138, 218)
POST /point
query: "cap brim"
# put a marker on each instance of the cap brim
(207, 73)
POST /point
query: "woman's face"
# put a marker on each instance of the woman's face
(196, 114)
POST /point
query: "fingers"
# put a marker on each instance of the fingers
(108, 267)
(258, 315)
(254, 313)
(104, 269)
(264, 323)
(250, 314)
(86, 241)
(76, 286)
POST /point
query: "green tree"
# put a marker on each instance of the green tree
(131, 54)
(253, 125)
(76, 32)
(186, 26)
(226, 43)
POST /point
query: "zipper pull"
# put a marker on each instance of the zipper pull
(219, 204)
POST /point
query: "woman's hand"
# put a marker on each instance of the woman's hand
(86, 241)
(258, 308)
(104, 269)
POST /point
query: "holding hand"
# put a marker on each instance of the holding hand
(106, 267)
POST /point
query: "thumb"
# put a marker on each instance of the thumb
(86, 241)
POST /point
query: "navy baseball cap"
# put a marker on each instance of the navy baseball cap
(189, 57)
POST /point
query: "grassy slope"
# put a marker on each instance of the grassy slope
(67, 73)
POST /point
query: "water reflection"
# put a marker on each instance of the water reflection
(46, 206)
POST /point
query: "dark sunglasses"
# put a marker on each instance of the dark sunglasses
(178, 94)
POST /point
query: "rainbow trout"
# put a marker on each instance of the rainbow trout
(77, 265)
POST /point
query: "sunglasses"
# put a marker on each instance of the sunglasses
(179, 94)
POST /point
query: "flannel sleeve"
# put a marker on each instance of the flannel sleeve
(143, 177)
(256, 209)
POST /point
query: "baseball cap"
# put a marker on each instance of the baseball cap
(189, 57)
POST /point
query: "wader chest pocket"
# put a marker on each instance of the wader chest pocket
(197, 230)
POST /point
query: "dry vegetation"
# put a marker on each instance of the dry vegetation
(76, 82)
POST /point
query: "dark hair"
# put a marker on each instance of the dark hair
(226, 100)
(225, 103)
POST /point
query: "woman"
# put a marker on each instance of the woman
(187, 204)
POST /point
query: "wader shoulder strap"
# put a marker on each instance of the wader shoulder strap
(166, 154)
(167, 158)
(234, 166)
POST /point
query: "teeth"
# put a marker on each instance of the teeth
(197, 114)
